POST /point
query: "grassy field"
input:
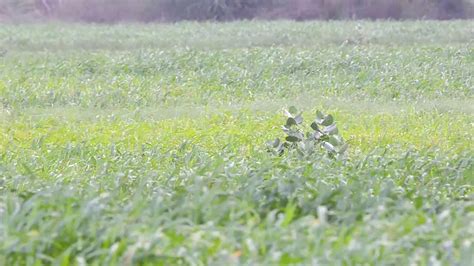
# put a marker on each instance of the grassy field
(145, 144)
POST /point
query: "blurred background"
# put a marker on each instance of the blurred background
(109, 11)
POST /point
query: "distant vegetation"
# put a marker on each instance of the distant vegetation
(223, 10)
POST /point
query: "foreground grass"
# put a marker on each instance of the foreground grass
(155, 157)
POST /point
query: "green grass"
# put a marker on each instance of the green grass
(145, 144)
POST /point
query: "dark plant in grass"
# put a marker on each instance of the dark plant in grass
(321, 136)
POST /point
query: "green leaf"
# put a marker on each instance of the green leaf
(294, 136)
(292, 139)
(314, 126)
(343, 148)
(276, 143)
(299, 119)
(290, 122)
(332, 130)
(287, 259)
(328, 120)
(328, 146)
(320, 115)
(335, 140)
(290, 211)
(418, 202)
(293, 110)
(317, 135)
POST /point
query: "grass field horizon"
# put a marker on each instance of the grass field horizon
(144, 144)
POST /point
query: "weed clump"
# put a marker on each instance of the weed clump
(322, 135)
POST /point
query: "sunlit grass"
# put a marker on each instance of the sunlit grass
(214, 129)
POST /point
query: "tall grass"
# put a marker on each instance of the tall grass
(138, 144)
